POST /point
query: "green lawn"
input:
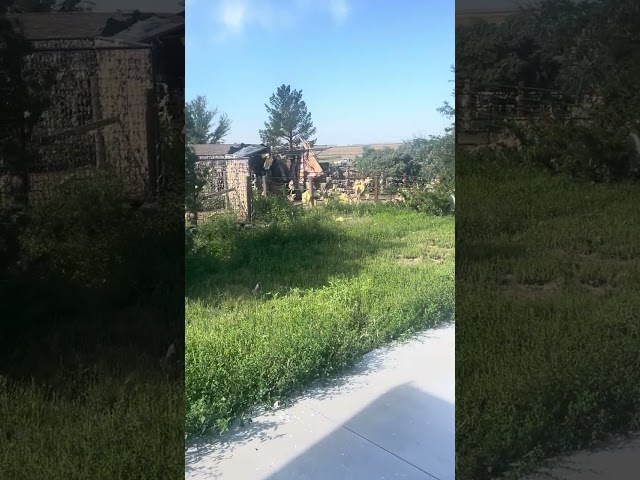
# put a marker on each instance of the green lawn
(333, 285)
(115, 428)
(548, 334)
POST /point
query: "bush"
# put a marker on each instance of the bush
(432, 202)
(582, 151)
(274, 208)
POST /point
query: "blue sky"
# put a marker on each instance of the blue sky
(370, 70)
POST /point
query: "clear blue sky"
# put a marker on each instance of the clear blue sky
(370, 70)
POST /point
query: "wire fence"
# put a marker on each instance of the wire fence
(228, 185)
(100, 114)
(482, 111)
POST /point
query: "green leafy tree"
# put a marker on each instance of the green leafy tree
(201, 125)
(430, 157)
(393, 162)
(289, 121)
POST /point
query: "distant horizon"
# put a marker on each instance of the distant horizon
(227, 142)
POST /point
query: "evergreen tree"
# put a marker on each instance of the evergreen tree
(289, 121)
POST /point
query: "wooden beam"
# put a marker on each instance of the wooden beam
(82, 129)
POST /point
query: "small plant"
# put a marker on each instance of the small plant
(274, 208)
(433, 201)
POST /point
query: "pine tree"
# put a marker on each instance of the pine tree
(289, 121)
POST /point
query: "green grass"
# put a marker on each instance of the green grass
(329, 292)
(548, 336)
(127, 428)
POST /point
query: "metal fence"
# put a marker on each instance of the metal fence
(227, 187)
(101, 113)
(483, 110)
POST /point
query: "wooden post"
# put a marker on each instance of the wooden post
(520, 100)
(310, 188)
(96, 108)
(225, 186)
(153, 136)
(490, 122)
(375, 188)
(264, 185)
(249, 199)
(466, 105)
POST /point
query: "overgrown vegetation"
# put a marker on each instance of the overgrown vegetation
(547, 338)
(547, 271)
(430, 161)
(113, 429)
(271, 308)
(586, 50)
(91, 297)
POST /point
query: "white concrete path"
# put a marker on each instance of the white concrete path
(619, 459)
(390, 417)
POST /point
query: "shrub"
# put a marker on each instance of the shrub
(274, 208)
(436, 201)
(590, 152)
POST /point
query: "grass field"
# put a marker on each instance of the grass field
(548, 334)
(117, 427)
(334, 284)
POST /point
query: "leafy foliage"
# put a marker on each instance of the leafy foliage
(581, 151)
(387, 161)
(431, 158)
(289, 121)
(586, 50)
(579, 48)
(200, 124)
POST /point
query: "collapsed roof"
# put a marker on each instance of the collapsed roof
(243, 150)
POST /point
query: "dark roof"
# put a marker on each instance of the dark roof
(249, 150)
(58, 26)
(202, 150)
(146, 30)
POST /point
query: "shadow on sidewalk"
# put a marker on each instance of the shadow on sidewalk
(405, 433)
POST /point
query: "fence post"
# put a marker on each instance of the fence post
(249, 199)
(520, 100)
(311, 192)
(152, 139)
(490, 121)
(96, 108)
(225, 187)
(466, 105)
(375, 188)
(264, 185)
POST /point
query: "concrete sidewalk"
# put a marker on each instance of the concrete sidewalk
(619, 459)
(390, 417)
